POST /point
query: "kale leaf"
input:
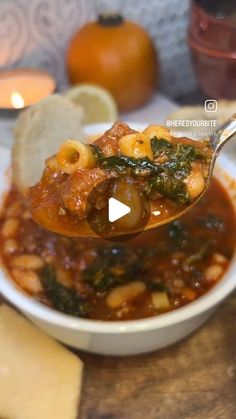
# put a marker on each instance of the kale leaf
(166, 185)
(170, 182)
(125, 165)
(64, 299)
(201, 254)
(160, 179)
(212, 222)
(157, 286)
(179, 234)
(176, 151)
(114, 265)
(160, 146)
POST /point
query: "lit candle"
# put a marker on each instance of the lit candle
(24, 87)
(17, 100)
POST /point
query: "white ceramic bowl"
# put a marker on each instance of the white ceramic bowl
(127, 337)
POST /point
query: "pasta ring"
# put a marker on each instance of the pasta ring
(74, 155)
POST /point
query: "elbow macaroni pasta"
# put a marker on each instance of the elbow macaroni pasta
(136, 145)
(157, 131)
(74, 155)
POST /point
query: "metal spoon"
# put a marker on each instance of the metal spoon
(84, 229)
(217, 140)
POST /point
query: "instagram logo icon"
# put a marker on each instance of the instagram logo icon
(210, 105)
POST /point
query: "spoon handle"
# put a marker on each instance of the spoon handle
(223, 134)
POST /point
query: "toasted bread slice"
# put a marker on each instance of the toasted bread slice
(38, 134)
(225, 108)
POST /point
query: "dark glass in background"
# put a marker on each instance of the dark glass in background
(221, 9)
(212, 41)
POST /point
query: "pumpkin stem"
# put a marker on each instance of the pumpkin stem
(110, 19)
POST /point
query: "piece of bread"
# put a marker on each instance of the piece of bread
(225, 108)
(39, 378)
(39, 132)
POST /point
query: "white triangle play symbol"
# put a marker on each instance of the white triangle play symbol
(116, 210)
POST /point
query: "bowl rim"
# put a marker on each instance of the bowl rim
(38, 310)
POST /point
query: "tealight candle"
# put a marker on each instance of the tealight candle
(24, 87)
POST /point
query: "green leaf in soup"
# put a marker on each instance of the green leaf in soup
(125, 165)
(160, 146)
(63, 299)
(156, 286)
(168, 186)
(114, 265)
(178, 234)
(212, 222)
(201, 254)
(161, 179)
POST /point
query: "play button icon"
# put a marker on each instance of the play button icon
(117, 210)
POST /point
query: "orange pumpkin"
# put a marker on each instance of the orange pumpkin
(118, 55)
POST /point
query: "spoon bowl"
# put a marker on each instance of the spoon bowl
(217, 141)
(124, 190)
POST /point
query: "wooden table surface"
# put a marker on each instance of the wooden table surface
(195, 378)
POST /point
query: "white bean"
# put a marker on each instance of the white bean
(213, 272)
(10, 246)
(219, 258)
(195, 182)
(125, 293)
(27, 262)
(28, 280)
(10, 227)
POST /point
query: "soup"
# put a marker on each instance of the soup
(155, 272)
(150, 172)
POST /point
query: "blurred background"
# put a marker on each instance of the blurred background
(169, 53)
(37, 33)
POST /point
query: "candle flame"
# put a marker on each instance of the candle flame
(17, 100)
